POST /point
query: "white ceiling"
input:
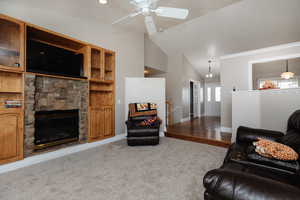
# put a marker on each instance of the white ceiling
(243, 26)
(115, 9)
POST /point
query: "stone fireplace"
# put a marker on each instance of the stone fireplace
(54, 95)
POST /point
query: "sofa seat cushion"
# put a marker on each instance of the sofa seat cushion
(292, 166)
(236, 152)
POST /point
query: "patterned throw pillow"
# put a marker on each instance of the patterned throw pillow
(271, 149)
(140, 107)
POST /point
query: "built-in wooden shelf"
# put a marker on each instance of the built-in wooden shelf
(56, 76)
(11, 70)
(11, 43)
(11, 92)
(53, 44)
(10, 50)
(102, 81)
(55, 39)
(101, 90)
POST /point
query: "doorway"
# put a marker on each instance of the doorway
(213, 99)
(191, 100)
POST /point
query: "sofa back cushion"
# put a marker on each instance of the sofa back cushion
(292, 139)
(294, 121)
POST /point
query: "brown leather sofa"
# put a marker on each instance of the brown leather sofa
(245, 175)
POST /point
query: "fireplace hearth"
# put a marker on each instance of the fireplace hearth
(55, 127)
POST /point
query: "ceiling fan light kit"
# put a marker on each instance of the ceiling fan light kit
(148, 8)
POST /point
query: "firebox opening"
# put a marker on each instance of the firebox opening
(55, 127)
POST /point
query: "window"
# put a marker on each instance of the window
(281, 83)
(218, 94)
(201, 95)
(209, 94)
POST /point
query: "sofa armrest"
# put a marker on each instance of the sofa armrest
(248, 135)
(227, 184)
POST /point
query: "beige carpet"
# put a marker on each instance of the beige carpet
(171, 171)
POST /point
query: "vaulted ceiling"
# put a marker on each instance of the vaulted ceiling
(245, 25)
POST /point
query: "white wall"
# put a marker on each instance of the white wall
(267, 109)
(179, 74)
(236, 71)
(154, 56)
(189, 74)
(147, 90)
(129, 46)
(245, 110)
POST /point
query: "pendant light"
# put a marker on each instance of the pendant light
(210, 74)
(287, 74)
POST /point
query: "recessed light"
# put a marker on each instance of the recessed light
(103, 1)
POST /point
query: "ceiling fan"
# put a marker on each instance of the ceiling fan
(147, 7)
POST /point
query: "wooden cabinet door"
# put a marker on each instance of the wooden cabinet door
(11, 135)
(108, 121)
(101, 123)
(96, 123)
(11, 43)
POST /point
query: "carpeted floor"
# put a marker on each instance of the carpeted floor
(171, 171)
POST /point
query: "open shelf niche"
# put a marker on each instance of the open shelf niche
(11, 89)
(102, 94)
(109, 62)
(96, 63)
(50, 38)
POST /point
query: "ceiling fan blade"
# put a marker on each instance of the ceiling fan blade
(150, 25)
(125, 17)
(177, 13)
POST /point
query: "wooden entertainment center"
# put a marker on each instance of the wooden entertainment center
(98, 72)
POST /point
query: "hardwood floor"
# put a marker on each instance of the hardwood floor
(203, 130)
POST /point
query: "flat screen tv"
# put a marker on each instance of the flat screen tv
(47, 59)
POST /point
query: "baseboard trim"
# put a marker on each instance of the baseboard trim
(56, 154)
(226, 129)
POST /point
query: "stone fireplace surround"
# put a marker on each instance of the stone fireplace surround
(48, 93)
